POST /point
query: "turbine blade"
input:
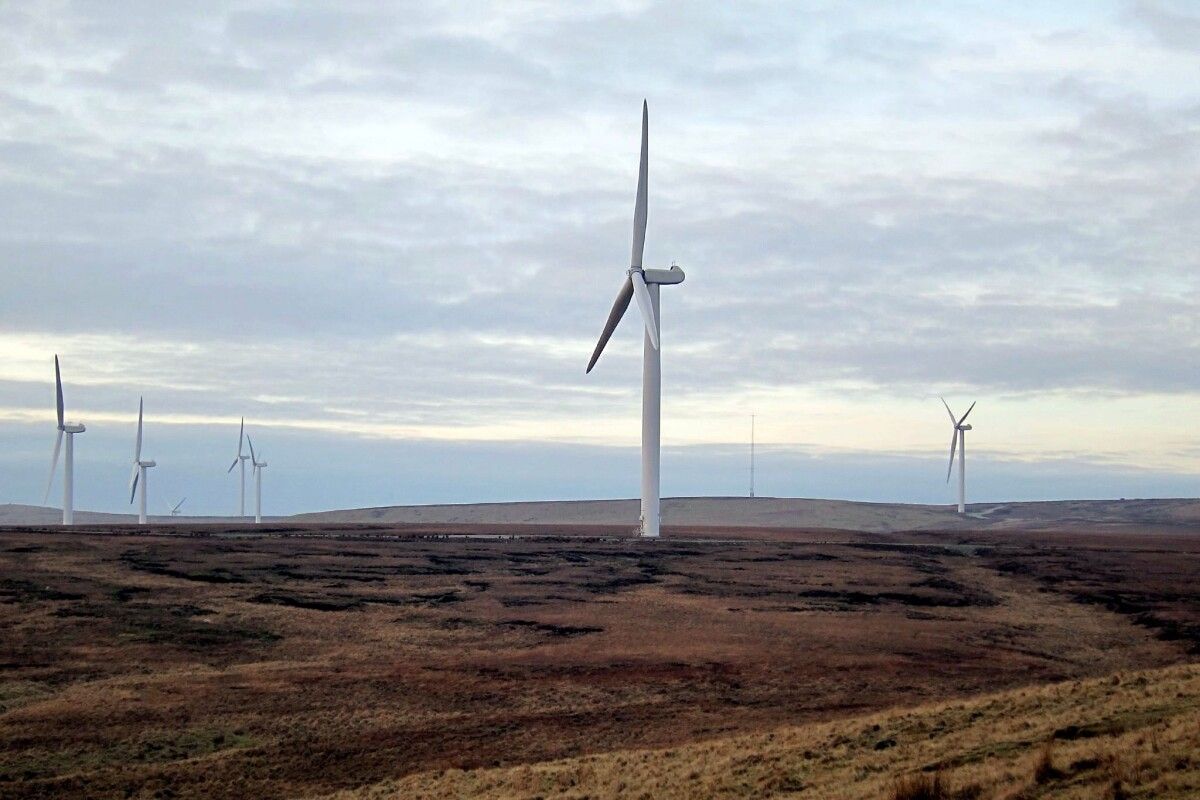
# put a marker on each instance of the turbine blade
(137, 450)
(647, 306)
(614, 316)
(177, 505)
(53, 465)
(252, 458)
(234, 464)
(133, 481)
(953, 447)
(948, 411)
(640, 205)
(241, 436)
(58, 392)
(964, 416)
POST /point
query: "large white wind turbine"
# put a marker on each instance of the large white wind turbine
(258, 468)
(643, 284)
(958, 437)
(70, 429)
(242, 460)
(139, 471)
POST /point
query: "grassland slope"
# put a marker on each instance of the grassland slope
(1130, 735)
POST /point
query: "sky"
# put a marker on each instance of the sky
(388, 234)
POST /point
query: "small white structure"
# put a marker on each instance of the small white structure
(173, 510)
(958, 437)
(240, 459)
(139, 471)
(258, 468)
(70, 429)
(643, 284)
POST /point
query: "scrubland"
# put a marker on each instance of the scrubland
(817, 664)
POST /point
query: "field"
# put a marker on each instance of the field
(403, 661)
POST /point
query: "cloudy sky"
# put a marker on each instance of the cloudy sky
(388, 234)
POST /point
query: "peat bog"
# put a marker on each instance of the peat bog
(277, 666)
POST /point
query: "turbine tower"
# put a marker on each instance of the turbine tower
(752, 456)
(644, 285)
(139, 471)
(958, 437)
(242, 460)
(258, 468)
(70, 429)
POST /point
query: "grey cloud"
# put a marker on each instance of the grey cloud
(1169, 23)
(1072, 268)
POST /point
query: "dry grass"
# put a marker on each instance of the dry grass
(271, 667)
(1139, 738)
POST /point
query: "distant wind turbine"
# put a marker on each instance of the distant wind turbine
(643, 284)
(70, 429)
(242, 460)
(139, 471)
(752, 455)
(258, 468)
(958, 437)
(173, 510)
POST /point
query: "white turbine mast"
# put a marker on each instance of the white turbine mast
(258, 468)
(239, 458)
(70, 429)
(958, 439)
(752, 456)
(139, 471)
(643, 284)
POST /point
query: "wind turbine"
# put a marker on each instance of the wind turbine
(752, 455)
(173, 510)
(258, 468)
(242, 459)
(70, 429)
(958, 437)
(643, 284)
(139, 470)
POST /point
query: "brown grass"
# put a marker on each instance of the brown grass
(267, 666)
(990, 747)
(1044, 771)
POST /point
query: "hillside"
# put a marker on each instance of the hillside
(740, 512)
(780, 512)
(1124, 736)
(18, 514)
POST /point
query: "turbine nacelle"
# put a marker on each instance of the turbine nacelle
(147, 463)
(965, 427)
(254, 462)
(664, 277)
(73, 427)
